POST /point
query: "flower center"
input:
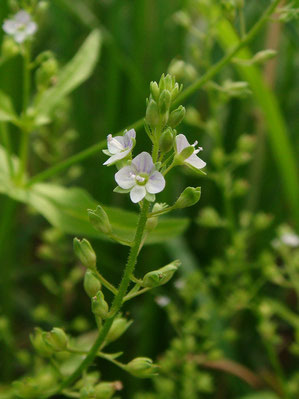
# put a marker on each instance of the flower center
(115, 143)
(141, 179)
(196, 150)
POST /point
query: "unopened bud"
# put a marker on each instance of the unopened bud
(264, 55)
(87, 392)
(45, 73)
(27, 388)
(56, 339)
(160, 276)
(91, 284)
(39, 344)
(155, 91)
(164, 101)
(118, 328)
(176, 116)
(190, 196)
(100, 220)
(166, 140)
(152, 116)
(142, 367)
(169, 82)
(85, 253)
(209, 217)
(9, 48)
(99, 306)
(175, 91)
(105, 390)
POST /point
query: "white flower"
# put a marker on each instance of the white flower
(20, 26)
(140, 178)
(193, 160)
(119, 147)
(290, 239)
(162, 301)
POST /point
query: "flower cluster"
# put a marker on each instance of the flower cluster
(20, 27)
(144, 175)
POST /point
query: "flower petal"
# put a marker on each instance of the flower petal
(137, 193)
(115, 144)
(181, 142)
(20, 36)
(22, 17)
(156, 183)
(31, 28)
(143, 163)
(128, 136)
(9, 26)
(195, 161)
(125, 177)
(116, 157)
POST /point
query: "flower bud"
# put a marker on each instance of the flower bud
(190, 196)
(105, 390)
(91, 284)
(264, 55)
(152, 116)
(56, 339)
(39, 344)
(164, 101)
(9, 48)
(87, 392)
(142, 367)
(209, 217)
(175, 91)
(99, 306)
(169, 82)
(85, 253)
(26, 388)
(176, 116)
(166, 140)
(160, 276)
(119, 326)
(46, 73)
(155, 91)
(100, 220)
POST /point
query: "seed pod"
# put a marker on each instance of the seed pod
(99, 306)
(190, 196)
(160, 276)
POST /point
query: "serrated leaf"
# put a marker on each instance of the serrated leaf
(70, 77)
(7, 112)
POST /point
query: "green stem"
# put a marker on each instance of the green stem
(134, 294)
(106, 283)
(7, 145)
(116, 305)
(181, 98)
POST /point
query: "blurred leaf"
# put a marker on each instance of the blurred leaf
(70, 77)
(277, 129)
(261, 395)
(66, 209)
(7, 112)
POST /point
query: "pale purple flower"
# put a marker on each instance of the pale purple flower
(20, 26)
(140, 178)
(119, 147)
(193, 161)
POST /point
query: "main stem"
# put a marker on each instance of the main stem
(117, 302)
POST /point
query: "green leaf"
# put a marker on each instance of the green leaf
(70, 77)
(7, 112)
(261, 395)
(66, 209)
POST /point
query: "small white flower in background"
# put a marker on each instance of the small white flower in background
(193, 160)
(20, 27)
(290, 239)
(119, 147)
(140, 178)
(162, 301)
(180, 284)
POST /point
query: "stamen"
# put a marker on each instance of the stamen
(140, 179)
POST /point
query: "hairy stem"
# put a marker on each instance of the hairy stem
(116, 305)
(182, 97)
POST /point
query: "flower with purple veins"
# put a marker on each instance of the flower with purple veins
(20, 27)
(119, 147)
(140, 178)
(193, 160)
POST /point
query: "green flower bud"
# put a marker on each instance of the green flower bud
(9, 48)
(100, 220)
(45, 74)
(118, 328)
(142, 367)
(264, 55)
(176, 116)
(91, 284)
(87, 392)
(39, 344)
(99, 306)
(105, 390)
(28, 388)
(160, 276)
(152, 116)
(56, 339)
(85, 253)
(155, 91)
(190, 196)
(164, 101)
(169, 82)
(175, 91)
(166, 140)
(209, 217)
